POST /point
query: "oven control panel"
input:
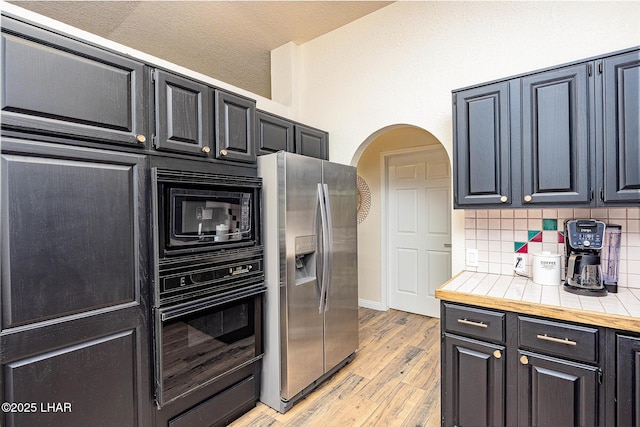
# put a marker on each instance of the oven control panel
(211, 276)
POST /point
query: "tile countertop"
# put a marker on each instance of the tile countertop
(522, 295)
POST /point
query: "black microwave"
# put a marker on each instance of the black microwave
(196, 211)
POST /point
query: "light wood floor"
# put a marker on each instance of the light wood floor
(394, 380)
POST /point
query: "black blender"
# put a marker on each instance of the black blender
(583, 243)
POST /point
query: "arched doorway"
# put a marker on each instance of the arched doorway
(404, 242)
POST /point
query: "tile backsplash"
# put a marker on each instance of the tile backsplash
(498, 234)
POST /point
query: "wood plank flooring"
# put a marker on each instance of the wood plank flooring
(394, 380)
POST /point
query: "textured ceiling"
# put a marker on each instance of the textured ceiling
(227, 40)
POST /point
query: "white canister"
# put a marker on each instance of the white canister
(546, 268)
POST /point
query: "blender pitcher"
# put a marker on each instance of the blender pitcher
(610, 257)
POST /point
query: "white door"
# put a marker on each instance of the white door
(419, 229)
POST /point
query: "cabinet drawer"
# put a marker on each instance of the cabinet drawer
(222, 408)
(558, 338)
(474, 322)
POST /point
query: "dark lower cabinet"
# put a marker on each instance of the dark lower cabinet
(627, 381)
(556, 393)
(75, 332)
(217, 404)
(527, 371)
(473, 377)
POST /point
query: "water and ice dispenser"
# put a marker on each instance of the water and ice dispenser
(305, 259)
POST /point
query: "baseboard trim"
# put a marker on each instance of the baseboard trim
(375, 305)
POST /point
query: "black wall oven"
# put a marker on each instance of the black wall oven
(200, 341)
(208, 279)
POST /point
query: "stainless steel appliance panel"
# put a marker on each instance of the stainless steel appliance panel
(311, 309)
(341, 316)
(302, 328)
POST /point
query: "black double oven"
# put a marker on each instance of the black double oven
(208, 279)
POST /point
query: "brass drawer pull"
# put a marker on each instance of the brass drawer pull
(472, 323)
(558, 340)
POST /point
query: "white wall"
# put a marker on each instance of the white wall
(399, 64)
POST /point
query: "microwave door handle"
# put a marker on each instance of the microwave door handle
(322, 246)
(328, 253)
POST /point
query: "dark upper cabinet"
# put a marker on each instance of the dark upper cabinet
(563, 136)
(74, 284)
(621, 112)
(273, 134)
(474, 377)
(57, 86)
(627, 387)
(556, 392)
(235, 127)
(311, 142)
(557, 159)
(183, 115)
(276, 133)
(482, 145)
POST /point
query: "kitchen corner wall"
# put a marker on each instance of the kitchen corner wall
(499, 234)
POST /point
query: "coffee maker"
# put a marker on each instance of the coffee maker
(583, 242)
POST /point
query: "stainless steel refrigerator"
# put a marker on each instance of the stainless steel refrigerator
(311, 305)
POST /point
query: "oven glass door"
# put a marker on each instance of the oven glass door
(199, 341)
(198, 217)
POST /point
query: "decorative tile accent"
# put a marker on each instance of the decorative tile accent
(520, 247)
(498, 234)
(535, 236)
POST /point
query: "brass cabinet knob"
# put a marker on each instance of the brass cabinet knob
(524, 360)
(141, 138)
(504, 199)
(527, 198)
(206, 149)
(497, 354)
(223, 152)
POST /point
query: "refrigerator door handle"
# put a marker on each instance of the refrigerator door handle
(328, 252)
(323, 247)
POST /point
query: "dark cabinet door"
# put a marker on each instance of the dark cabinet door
(621, 106)
(473, 392)
(557, 136)
(74, 307)
(273, 134)
(556, 393)
(628, 381)
(182, 115)
(57, 86)
(482, 146)
(311, 142)
(235, 127)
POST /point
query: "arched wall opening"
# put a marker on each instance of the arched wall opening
(369, 159)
